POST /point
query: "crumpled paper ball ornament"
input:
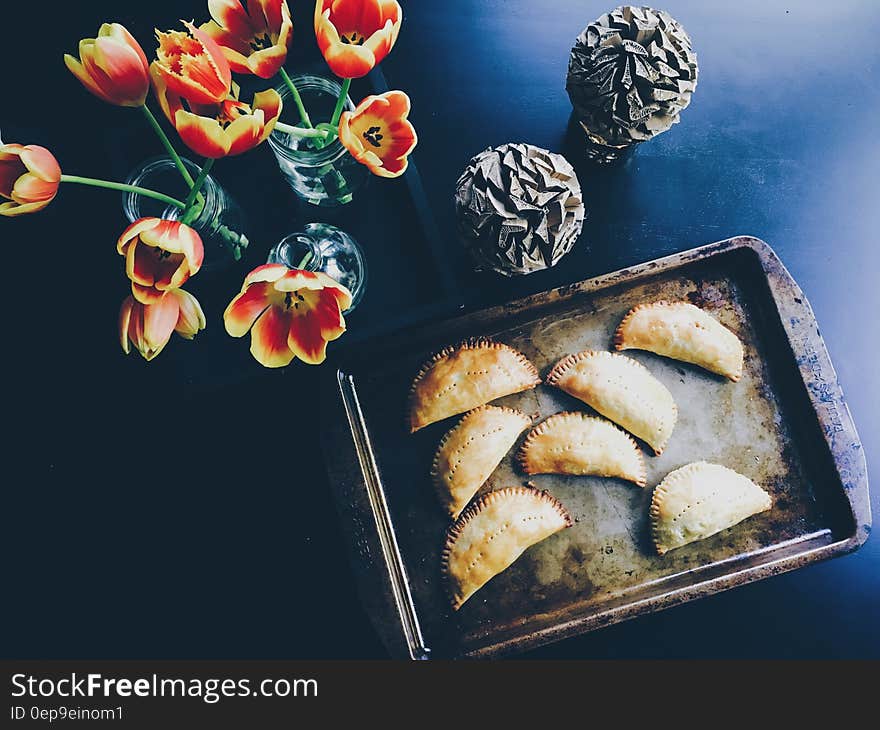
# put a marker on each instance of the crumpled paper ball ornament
(630, 74)
(519, 208)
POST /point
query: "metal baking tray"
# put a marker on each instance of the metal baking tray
(784, 424)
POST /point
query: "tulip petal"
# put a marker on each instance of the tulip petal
(136, 328)
(133, 232)
(343, 297)
(146, 294)
(171, 272)
(159, 322)
(266, 272)
(346, 14)
(12, 209)
(140, 261)
(380, 42)
(235, 49)
(269, 338)
(41, 163)
(390, 168)
(232, 17)
(30, 189)
(226, 40)
(79, 71)
(96, 73)
(129, 82)
(191, 318)
(275, 13)
(202, 135)
(342, 293)
(327, 314)
(305, 340)
(269, 103)
(296, 279)
(169, 102)
(246, 307)
(266, 63)
(10, 151)
(349, 62)
(124, 321)
(244, 133)
(120, 33)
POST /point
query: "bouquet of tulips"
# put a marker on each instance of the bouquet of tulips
(290, 313)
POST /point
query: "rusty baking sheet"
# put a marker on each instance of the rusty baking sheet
(784, 424)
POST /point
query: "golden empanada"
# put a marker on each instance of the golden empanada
(683, 332)
(621, 389)
(575, 443)
(700, 499)
(463, 377)
(493, 532)
(470, 452)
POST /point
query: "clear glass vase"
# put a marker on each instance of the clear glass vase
(221, 222)
(326, 248)
(325, 176)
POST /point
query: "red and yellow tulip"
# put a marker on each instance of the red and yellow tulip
(29, 178)
(149, 326)
(356, 35)
(160, 255)
(255, 39)
(230, 127)
(112, 66)
(192, 65)
(290, 313)
(378, 134)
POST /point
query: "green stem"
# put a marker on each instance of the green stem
(299, 131)
(297, 99)
(192, 212)
(305, 260)
(160, 133)
(340, 102)
(124, 188)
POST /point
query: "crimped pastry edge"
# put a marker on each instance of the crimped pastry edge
(618, 333)
(569, 361)
(527, 421)
(544, 426)
(473, 510)
(661, 489)
(619, 343)
(471, 343)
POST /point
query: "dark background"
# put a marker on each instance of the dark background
(180, 509)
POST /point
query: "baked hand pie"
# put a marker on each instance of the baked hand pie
(493, 532)
(470, 452)
(463, 377)
(622, 390)
(683, 332)
(700, 499)
(575, 443)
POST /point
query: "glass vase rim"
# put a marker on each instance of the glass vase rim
(308, 241)
(333, 151)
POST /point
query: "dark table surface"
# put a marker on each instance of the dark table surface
(180, 509)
